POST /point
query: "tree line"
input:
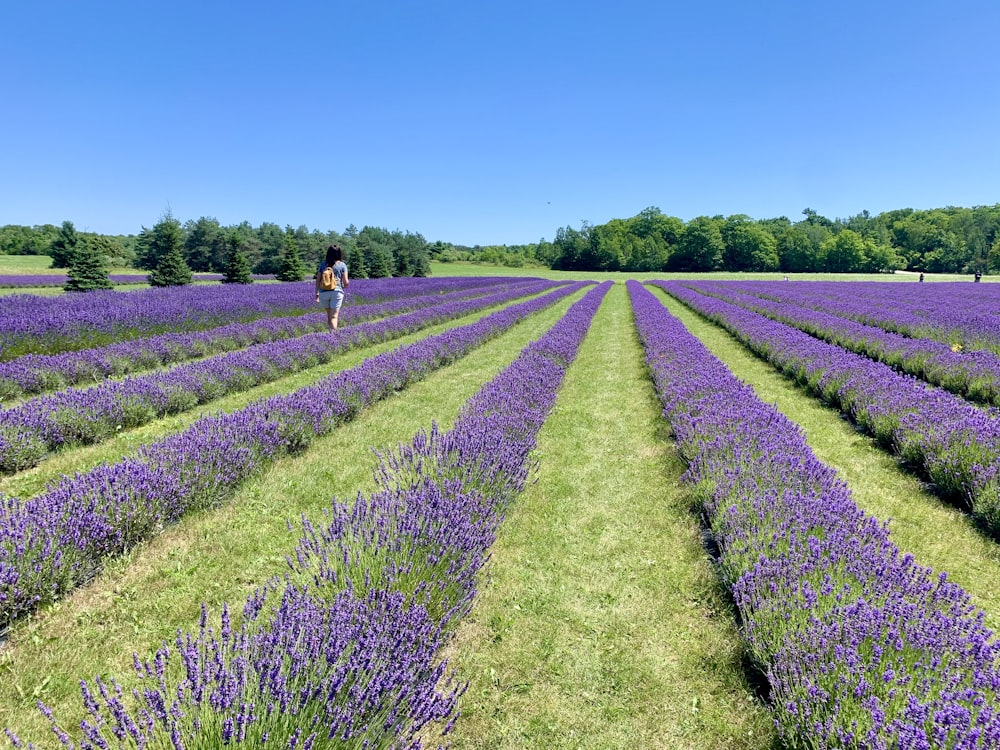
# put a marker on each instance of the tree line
(171, 251)
(941, 240)
(944, 240)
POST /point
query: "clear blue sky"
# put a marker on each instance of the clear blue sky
(481, 122)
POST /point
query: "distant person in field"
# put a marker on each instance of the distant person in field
(330, 286)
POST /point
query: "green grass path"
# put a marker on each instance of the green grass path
(601, 624)
(938, 535)
(142, 599)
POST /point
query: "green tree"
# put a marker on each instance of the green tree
(993, 259)
(237, 266)
(16, 239)
(845, 253)
(796, 251)
(204, 245)
(89, 267)
(573, 248)
(375, 246)
(291, 267)
(700, 247)
(354, 258)
(64, 246)
(749, 246)
(881, 258)
(272, 246)
(165, 245)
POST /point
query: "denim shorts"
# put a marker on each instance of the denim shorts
(331, 298)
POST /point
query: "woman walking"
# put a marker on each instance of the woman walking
(331, 281)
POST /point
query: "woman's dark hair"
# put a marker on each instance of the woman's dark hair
(333, 254)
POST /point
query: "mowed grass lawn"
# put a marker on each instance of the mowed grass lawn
(600, 622)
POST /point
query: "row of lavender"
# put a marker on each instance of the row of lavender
(38, 373)
(947, 439)
(973, 374)
(346, 649)
(30, 431)
(34, 324)
(861, 646)
(22, 280)
(51, 543)
(954, 312)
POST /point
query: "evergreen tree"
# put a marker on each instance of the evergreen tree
(378, 258)
(237, 265)
(290, 267)
(166, 254)
(171, 270)
(89, 267)
(356, 262)
(64, 246)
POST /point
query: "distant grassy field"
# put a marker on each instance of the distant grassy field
(39, 264)
(32, 264)
(475, 269)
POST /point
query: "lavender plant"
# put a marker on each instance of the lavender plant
(957, 313)
(973, 374)
(37, 373)
(948, 440)
(44, 325)
(73, 416)
(861, 647)
(346, 652)
(53, 542)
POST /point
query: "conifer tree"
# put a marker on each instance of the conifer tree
(89, 267)
(166, 244)
(356, 263)
(378, 260)
(63, 247)
(291, 267)
(171, 270)
(237, 265)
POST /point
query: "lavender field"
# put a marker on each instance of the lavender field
(221, 525)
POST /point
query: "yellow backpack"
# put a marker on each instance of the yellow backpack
(328, 279)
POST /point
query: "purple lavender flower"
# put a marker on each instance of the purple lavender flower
(346, 649)
(861, 647)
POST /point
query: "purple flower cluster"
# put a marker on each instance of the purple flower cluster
(973, 374)
(947, 439)
(955, 312)
(861, 647)
(45, 423)
(37, 373)
(51, 543)
(34, 324)
(347, 649)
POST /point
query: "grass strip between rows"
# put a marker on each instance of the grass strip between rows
(52, 543)
(861, 646)
(973, 374)
(945, 438)
(33, 430)
(32, 374)
(345, 651)
(603, 624)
